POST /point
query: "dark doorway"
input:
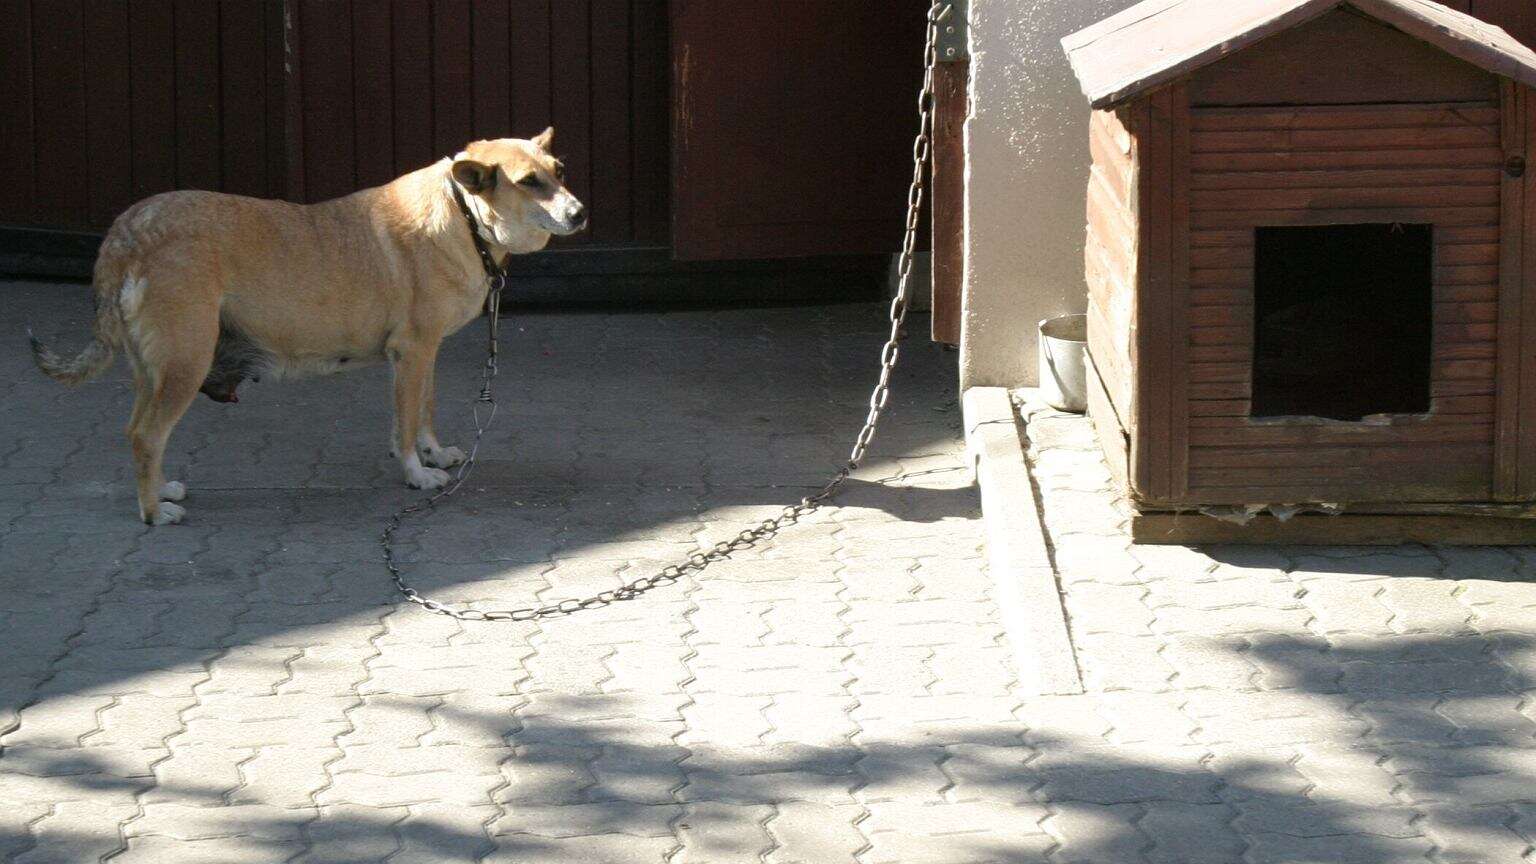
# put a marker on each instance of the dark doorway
(1342, 320)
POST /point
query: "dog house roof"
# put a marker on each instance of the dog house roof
(1157, 41)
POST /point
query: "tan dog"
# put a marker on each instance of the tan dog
(201, 290)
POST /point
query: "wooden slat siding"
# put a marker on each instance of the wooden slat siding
(1361, 138)
(330, 159)
(1364, 455)
(373, 127)
(274, 48)
(1286, 160)
(609, 106)
(452, 92)
(1151, 431)
(1110, 258)
(107, 98)
(198, 154)
(951, 83)
(1362, 490)
(489, 34)
(241, 95)
(1365, 178)
(17, 196)
(1314, 175)
(650, 143)
(532, 87)
(58, 112)
(1526, 412)
(242, 98)
(1348, 117)
(1412, 197)
(1179, 266)
(411, 62)
(570, 52)
(293, 100)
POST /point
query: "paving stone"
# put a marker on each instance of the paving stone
(971, 832)
(437, 833)
(805, 832)
(1472, 835)
(1181, 833)
(714, 833)
(1094, 832)
(75, 831)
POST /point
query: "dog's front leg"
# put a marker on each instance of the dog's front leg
(413, 366)
(432, 452)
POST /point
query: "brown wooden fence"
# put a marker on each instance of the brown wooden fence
(103, 102)
(107, 101)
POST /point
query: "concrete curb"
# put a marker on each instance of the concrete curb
(1027, 591)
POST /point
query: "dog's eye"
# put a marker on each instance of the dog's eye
(559, 171)
(531, 181)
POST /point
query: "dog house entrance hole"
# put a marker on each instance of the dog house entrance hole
(1342, 320)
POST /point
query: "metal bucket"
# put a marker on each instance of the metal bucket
(1063, 371)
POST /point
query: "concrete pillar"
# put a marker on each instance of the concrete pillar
(1027, 172)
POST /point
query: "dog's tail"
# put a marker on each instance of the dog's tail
(107, 333)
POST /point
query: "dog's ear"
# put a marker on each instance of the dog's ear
(545, 139)
(477, 177)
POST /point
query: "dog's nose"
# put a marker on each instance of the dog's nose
(579, 216)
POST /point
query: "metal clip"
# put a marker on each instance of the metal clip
(954, 28)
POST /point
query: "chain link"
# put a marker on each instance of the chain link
(922, 149)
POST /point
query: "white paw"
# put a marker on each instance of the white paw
(442, 457)
(174, 490)
(168, 514)
(426, 478)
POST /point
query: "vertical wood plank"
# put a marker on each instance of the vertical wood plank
(242, 97)
(16, 130)
(950, 81)
(293, 100)
(570, 53)
(198, 151)
(152, 79)
(1526, 486)
(58, 40)
(611, 167)
(452, 92)
(106, 97)
(1153, 385)
(1178, 296)
(411, 50)
(529, 60)
(1506, 442)
(492, 84)
(372, 93)
(275, 86)
(648, 122)
(326, 42)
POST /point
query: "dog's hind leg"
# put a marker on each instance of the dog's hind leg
(166, 386)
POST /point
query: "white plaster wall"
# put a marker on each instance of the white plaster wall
(1026, 175)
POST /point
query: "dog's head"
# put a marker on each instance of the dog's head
(516, 188)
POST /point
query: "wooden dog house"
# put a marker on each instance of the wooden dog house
(1307, 268)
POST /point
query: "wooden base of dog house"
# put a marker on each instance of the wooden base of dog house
(1470, 526)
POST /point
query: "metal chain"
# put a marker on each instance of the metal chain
(697, 561)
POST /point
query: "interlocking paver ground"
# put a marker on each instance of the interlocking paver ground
(1338, 704)
(248, 687)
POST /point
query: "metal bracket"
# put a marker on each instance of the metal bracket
(954, 33)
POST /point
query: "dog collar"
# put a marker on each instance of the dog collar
(494, 272)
